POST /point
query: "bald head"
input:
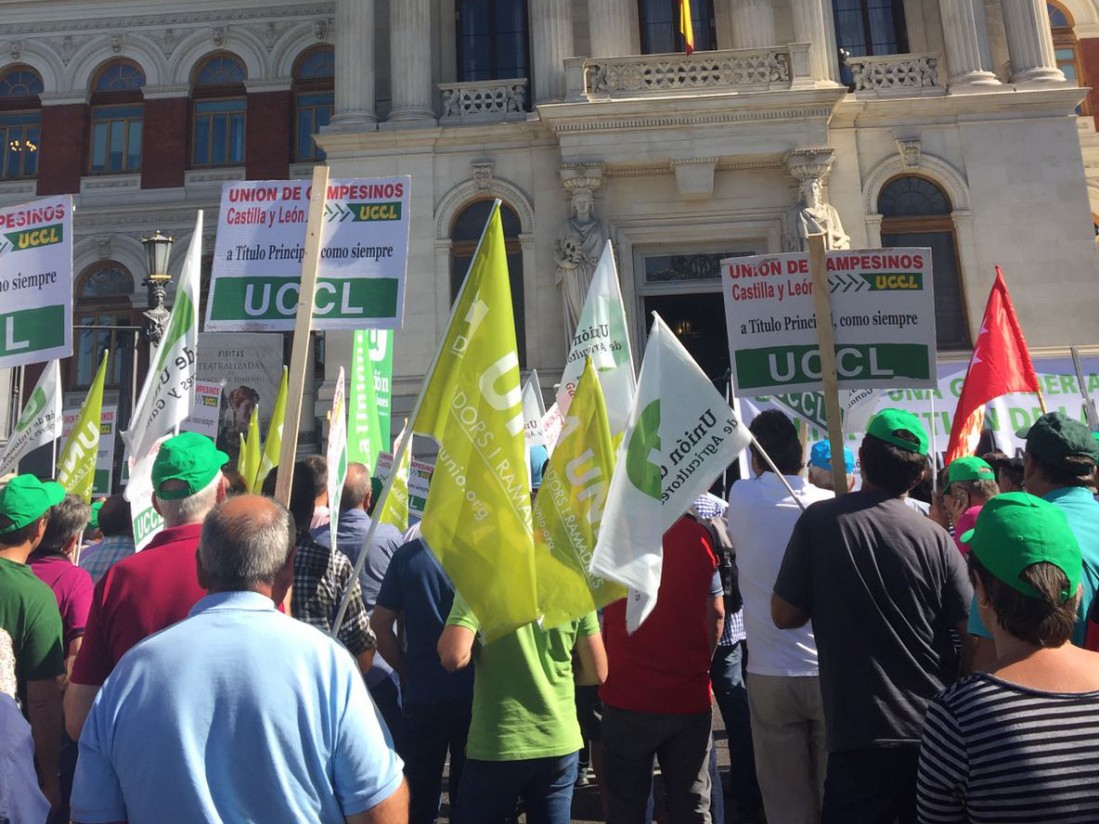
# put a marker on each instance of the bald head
(356, 488)
(247, 544)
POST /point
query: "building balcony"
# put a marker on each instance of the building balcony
(483, 101)
(896, 75)
(779, 68)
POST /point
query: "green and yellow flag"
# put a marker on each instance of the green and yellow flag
(478, 514)
(76, 464)
(273, 445)
(252, 452)
(569, 509)
(395, 511)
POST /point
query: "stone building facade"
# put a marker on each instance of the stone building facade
(957, 124)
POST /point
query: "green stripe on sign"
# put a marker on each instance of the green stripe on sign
(269, 298)
(32, 329)
(779, 366)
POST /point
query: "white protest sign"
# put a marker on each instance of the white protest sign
(36, 283)
(883, 313)
(205, 416)
(139, 492)
(256, 275)
(104, 456)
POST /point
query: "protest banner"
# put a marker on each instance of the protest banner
(205, 417)
(261, 246)
(40, 423)
(77, 463)
(139, 492)
(419, 480)
(36, 282)
(249, 366)
(370, 398)
(393, 509)
(534, 409)
(883, 311)
(336, 456)
(252, 451)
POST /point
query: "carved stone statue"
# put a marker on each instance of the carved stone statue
(813, 215)
(577, 253)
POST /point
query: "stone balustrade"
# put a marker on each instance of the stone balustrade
(483, 101)
(896, 75)
(735, 70)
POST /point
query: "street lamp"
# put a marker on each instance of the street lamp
(158, 248)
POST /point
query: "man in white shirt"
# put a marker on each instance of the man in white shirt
(783, 689)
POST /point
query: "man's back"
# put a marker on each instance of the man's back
(883, 587)
(1082, 512)
(237, 713)
(351, 531)
(28, 613)
(137, 597)
(320, 577)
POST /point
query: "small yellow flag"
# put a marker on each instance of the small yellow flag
(569, 509)
(76, 464)
(395, 512)
(252, 452)
(273, 445)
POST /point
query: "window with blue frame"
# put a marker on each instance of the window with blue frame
(218, 111)
(117, 121)
(660, 26)
(20, 122)
(314, 101)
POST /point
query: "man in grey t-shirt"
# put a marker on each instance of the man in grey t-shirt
(884, 587)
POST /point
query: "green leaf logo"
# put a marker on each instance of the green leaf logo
(642, 472)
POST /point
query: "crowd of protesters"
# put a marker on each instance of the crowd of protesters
(873, 659)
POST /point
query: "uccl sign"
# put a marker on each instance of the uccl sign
(883, 314)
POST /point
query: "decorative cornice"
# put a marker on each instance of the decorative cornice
(678, 121)
(159, 21)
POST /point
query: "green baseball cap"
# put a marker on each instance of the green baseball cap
(93, 519)
(1016, 530)
(889, 423)
(25, 499)
(188, 457)
(969, 469)
(1055, 437)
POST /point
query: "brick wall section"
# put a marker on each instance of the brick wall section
(167, 142)
(267, 136)
(1089, 56)
(64, 147)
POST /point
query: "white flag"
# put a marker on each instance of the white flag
(601, 334)
(858, 407)
(336, 456)
(168, 393)
(40, 423)
(680, 436)
(534, 409)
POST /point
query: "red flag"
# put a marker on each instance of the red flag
(686, 26)
(1000, 365)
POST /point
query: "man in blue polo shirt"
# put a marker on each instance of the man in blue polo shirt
(1058, 465)
(238, 712)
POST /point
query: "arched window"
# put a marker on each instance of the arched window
(660, 26)
(314, 100)
(916, 212)
(493, 40)
(218, 111)
(102, 294)
(465, 233)
(868, 27)
(118, 110)
(20, 122)
(1066, 46)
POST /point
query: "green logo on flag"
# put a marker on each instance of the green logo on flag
(35, 406)
(641, 471)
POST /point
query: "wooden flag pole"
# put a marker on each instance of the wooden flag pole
(826, 339)
(303, 325)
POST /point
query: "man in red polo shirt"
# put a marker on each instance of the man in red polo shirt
(154, 589)
(657, 693)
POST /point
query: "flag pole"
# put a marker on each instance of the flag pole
(934, 450)
(406, 442)
(826, 339)
(1089, 404)
(767, 460)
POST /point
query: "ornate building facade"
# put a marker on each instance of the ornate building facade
(954, 124)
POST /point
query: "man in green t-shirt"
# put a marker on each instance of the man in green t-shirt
(29, 614)
(524, 739)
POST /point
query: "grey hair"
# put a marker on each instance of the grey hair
(821, 477)
(193, 508)
(246, 549)
(67, 520)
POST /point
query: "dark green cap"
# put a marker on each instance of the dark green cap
(188, 457)
(969, 469)
(1055, 437)
(1017, 530)
(25, 499)
(889, 424)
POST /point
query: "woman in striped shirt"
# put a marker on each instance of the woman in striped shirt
(1019, 743)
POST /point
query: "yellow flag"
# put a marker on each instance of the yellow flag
(478, 514)
(273, 445)
(686, 26)
(569, 509)
(252, 451)
(242, 458)
(395, 511)
(76, 464)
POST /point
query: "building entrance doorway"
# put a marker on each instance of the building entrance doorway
(698, 320)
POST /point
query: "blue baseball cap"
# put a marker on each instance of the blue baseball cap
(538, 457)
(821, 457)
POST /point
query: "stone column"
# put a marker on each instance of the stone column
(354, 67)
(809, 27)
(1030, 42)
(410, 62)
(609, 22)
(753, 24)
(551, 43)
(967, 52)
